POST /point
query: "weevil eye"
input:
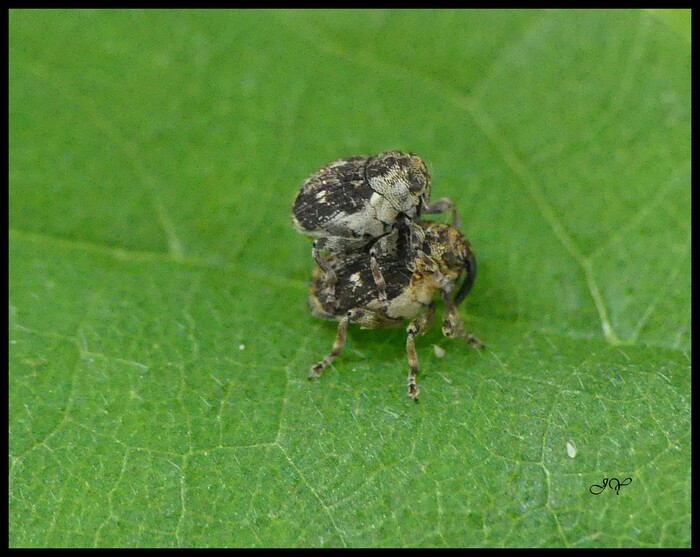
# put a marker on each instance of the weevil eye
(417, 181)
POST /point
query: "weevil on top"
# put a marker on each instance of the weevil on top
(351, 202)
(378, 264)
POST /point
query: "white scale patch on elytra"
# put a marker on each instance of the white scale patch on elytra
(363, 222)
(355, 280)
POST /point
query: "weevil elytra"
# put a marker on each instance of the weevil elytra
(441, 261)
(351, 202)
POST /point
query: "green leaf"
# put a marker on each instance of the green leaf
(159, 336)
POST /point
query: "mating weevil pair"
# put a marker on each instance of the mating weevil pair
(378, 263)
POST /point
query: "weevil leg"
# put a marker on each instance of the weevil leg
(378, 276)
(416, 328)
(338, 344)
(330, 277)
(405, 239)
(443, 205)
(452, 325)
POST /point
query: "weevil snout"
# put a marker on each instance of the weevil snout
(469, 266)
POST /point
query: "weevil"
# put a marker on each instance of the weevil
(441, 261)
(349, 203)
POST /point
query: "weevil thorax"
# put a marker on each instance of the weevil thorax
(400, 182)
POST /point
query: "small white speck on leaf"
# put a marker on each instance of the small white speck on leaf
(439, 351)
(571, 449)
(241, 346)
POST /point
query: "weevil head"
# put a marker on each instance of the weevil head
(452, 251)
(401, 178)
